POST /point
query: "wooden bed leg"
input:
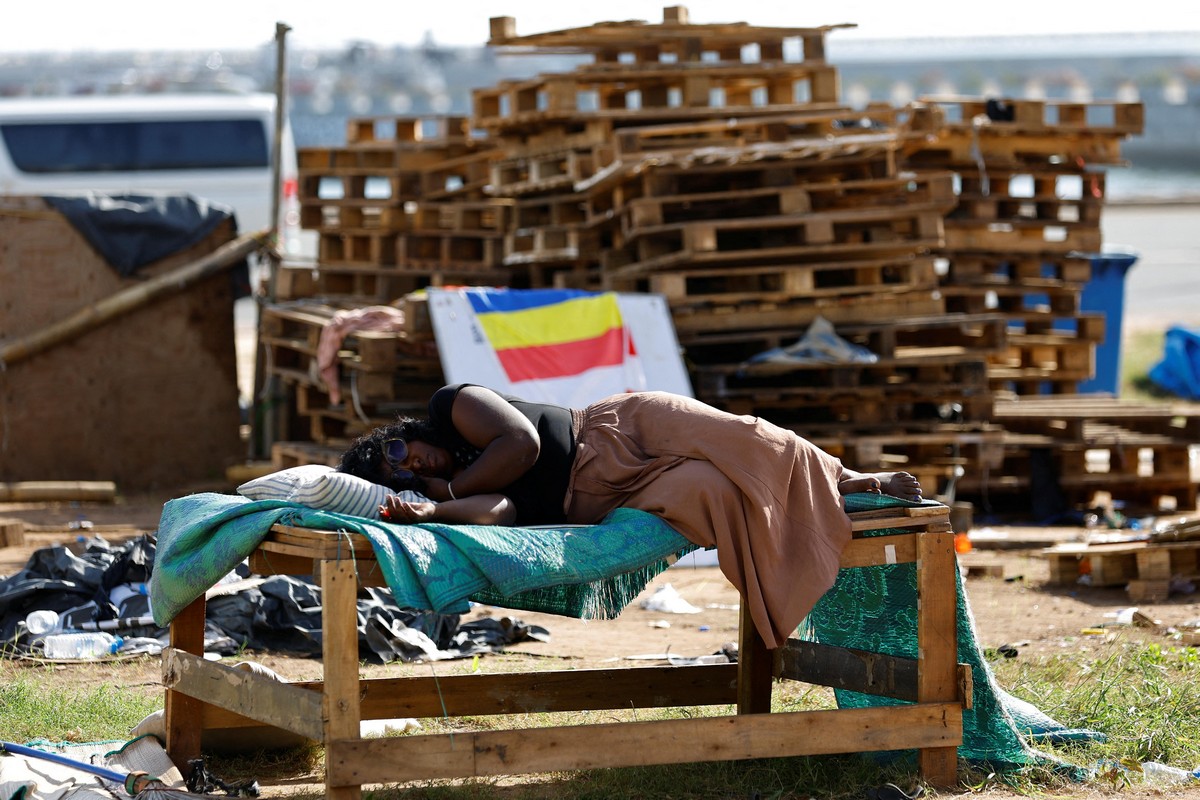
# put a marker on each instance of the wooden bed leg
(339, 652)
(183, 715)
(755, 667)
(937, 644)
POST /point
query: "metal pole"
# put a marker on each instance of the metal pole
(281, 31)
(263, 419)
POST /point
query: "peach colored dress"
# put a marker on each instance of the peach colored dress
(765, 498)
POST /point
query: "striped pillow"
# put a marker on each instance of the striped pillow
(323, 487)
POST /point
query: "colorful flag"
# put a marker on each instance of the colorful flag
(552, 333)
(565, 346)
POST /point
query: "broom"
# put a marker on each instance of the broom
(139, 785)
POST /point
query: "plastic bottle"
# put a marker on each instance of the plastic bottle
(41, 622)
(1163, 775)
(81, 645)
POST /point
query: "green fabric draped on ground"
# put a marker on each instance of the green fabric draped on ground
(875, 609)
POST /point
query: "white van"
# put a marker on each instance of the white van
(212, 146)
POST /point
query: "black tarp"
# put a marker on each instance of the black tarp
(130, 231)
(278, 613)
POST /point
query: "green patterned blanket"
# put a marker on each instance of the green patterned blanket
(588, 571)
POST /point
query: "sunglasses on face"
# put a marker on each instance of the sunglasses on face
(394, 453)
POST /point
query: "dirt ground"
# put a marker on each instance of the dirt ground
(1006, 584)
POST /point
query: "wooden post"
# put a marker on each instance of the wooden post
(339, 652)
(183, 714)
(937, 644)
(755, 667)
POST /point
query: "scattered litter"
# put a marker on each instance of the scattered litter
(716, 658)
(1151, 773)
(388, 727)
(980, 535)
(660, 623)
(1132, 616)
(668, 601)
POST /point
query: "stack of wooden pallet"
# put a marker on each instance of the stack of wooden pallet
(713, 164)
(1076, 446)
(1030, 193)
(399, 207)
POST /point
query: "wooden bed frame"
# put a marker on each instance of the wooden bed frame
(204, 695)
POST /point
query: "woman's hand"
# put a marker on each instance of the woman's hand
(401, 511)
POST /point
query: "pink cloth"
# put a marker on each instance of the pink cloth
(342, 324)
(765, 498)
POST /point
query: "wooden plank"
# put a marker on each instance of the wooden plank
(50, 491)
(676, 741)
(257, 697)
(876, 550)
(530, 693)
(847, 668)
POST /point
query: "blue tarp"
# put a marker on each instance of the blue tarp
(1179, 370)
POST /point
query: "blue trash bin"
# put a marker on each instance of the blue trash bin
(1105, 293)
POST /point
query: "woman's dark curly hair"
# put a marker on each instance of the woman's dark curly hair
(364, 457)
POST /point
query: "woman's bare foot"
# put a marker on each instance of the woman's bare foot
(895, 484)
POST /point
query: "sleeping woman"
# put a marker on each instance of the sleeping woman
(769, 501)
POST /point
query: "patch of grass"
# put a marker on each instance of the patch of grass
(1142, 350)
(30, 709)
(1144, 696)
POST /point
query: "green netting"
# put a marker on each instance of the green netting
(875, 609)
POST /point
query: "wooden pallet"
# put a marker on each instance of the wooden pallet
(959, 132)
(1146, 471)
(796, 314)
(743, 132)
(868, 396)
(1077, 418)
(851, 233)
(887, 338)
(989, 269)
(1109, 117)
(285, 455)
(975, 446)
(1146, 569)
(675, 39)
(1022, 236)
(723, 89)
(783, 282)
(929, 191)
(822, 164)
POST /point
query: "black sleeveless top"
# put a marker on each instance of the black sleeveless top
(540, 492)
